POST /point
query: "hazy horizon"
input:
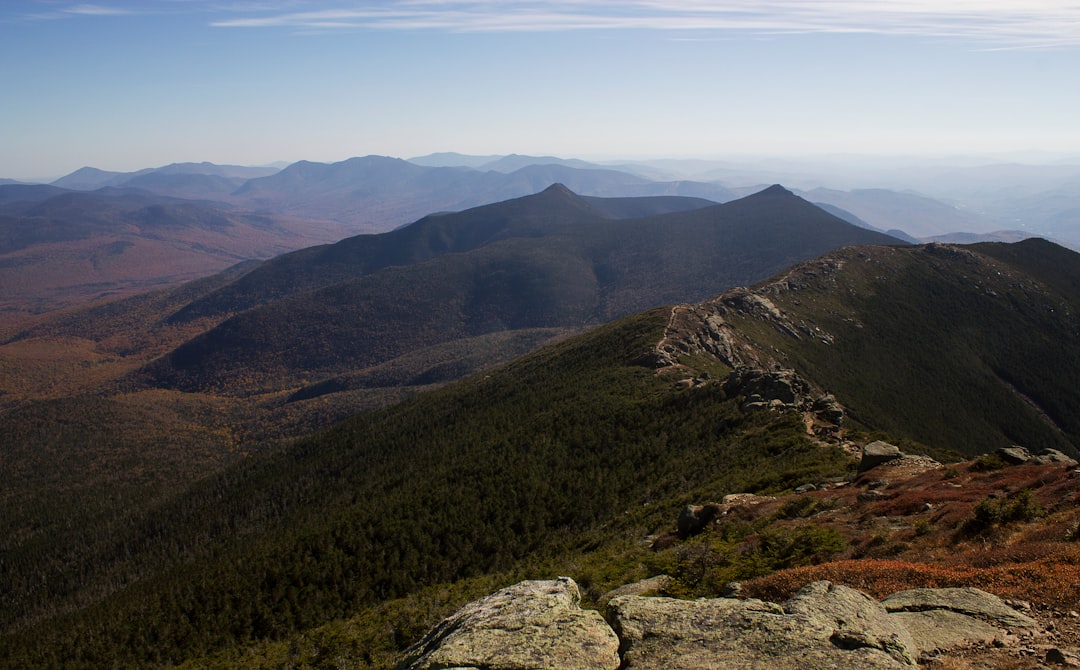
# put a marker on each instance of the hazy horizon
(125, 85)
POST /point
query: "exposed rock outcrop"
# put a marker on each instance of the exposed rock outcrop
(967, 601)
(538, 625)
(936, 631)
(694, 329)
(1014, 455)
(664, 633)
(1048, 456)
(879, 453)
(828, 408)
(1017, 455)
(759, 305)
(695, 518)
(646, 587)
(768, 389)
(756, 377)
(944, 619)
(533, 624)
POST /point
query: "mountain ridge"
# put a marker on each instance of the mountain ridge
(464, 275)
(422, 240)
(1022, 382)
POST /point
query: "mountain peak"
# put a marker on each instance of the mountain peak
(560, 195)
(775, 189)
(559, 188)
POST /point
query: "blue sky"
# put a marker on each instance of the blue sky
(123, 85)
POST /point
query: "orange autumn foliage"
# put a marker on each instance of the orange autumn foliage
(1048, 581)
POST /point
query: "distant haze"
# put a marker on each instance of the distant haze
(123, 85)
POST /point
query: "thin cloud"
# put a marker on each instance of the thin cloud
(66, 11)
(1006, 22)
(96, 10)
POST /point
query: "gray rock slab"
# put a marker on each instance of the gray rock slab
(1050, 456)
(533, 625)
(969, 601)
(944, 630)
(665, 633)
(645, 587)
(877, 453)
(1014, 455)
(856, 619)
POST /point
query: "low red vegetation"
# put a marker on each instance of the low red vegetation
(948, 500)
(1046, 581)
(914, 536)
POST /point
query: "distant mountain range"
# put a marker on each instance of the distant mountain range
(1038, 200)
(373, 194)
(405, 308)
(271, 210)
(94, 233)
(376, 193)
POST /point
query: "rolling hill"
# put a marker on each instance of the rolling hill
(59, 248)
(92, 179)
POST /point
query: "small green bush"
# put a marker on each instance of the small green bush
(790, 548)
(988, 462)
(801, 507)
(702, 566)
(992, 512)
(1072, 534)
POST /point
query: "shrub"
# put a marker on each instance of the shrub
(1073, 532)
(800, 507)
(987, 462)
(992, 512)
(788, 548)
(703, 565)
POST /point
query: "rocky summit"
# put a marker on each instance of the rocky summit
(539, 625)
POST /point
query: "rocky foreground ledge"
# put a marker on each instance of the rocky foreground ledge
(540, 625)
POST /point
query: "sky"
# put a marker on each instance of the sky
(123, 85)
